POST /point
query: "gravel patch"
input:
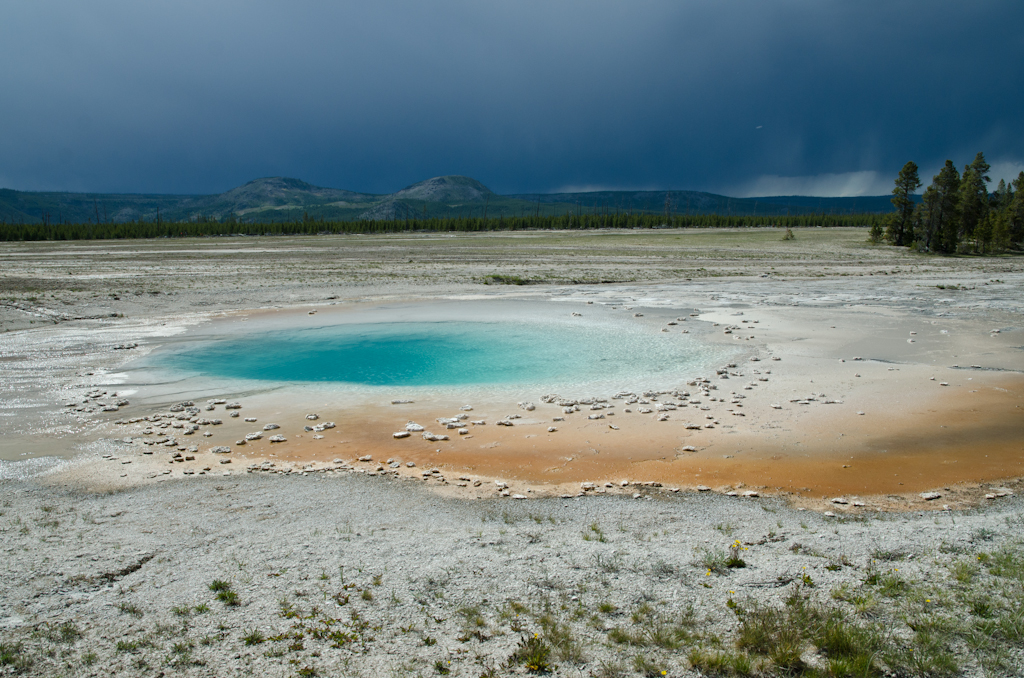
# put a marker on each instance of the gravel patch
(360, 576)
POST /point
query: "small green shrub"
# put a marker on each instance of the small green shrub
(646, 667)
(713, 560)
(130, 608)
(721, 663)
(564, 644)
(1007, 563)
(622, 636)
(254, 637)
(734, 560)
(14, 656)
(65, 632)
(472, 618)
(534, 654)
(611, 669)
(128, 646)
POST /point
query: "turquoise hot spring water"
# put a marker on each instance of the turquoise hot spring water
(446, 354)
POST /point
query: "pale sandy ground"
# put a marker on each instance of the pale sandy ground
(934, 401)
(939, 389)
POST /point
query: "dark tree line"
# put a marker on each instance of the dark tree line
(956, 212)
(308, 226)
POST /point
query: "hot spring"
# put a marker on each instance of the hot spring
(496, 351)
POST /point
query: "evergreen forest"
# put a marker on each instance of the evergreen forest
(956, 213)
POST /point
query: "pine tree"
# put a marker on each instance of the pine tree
(899, 226)
(1015, 212)
(1000, 235)
(998, 200)
(973, 197)
(984, 233)
(939, 213)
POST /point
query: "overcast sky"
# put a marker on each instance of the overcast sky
(811, 97)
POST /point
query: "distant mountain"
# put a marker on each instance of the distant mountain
(277, 192)
(445, 189)
(284, 199)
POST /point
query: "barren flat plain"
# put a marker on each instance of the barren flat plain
(829, 490)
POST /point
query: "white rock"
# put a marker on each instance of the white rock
(434, 437)
(222, 449)
(312, 417)
(930, 496)
(703, 488)
(401, 434)
(277, 439)
(270, 427)
(413, 427)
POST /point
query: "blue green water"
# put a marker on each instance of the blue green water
(439, 354)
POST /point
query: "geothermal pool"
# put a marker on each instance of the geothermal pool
(492, 352)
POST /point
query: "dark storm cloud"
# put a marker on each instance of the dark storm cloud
(749, 97)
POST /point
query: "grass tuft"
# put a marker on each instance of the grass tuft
(254, 637)
(534, 654)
